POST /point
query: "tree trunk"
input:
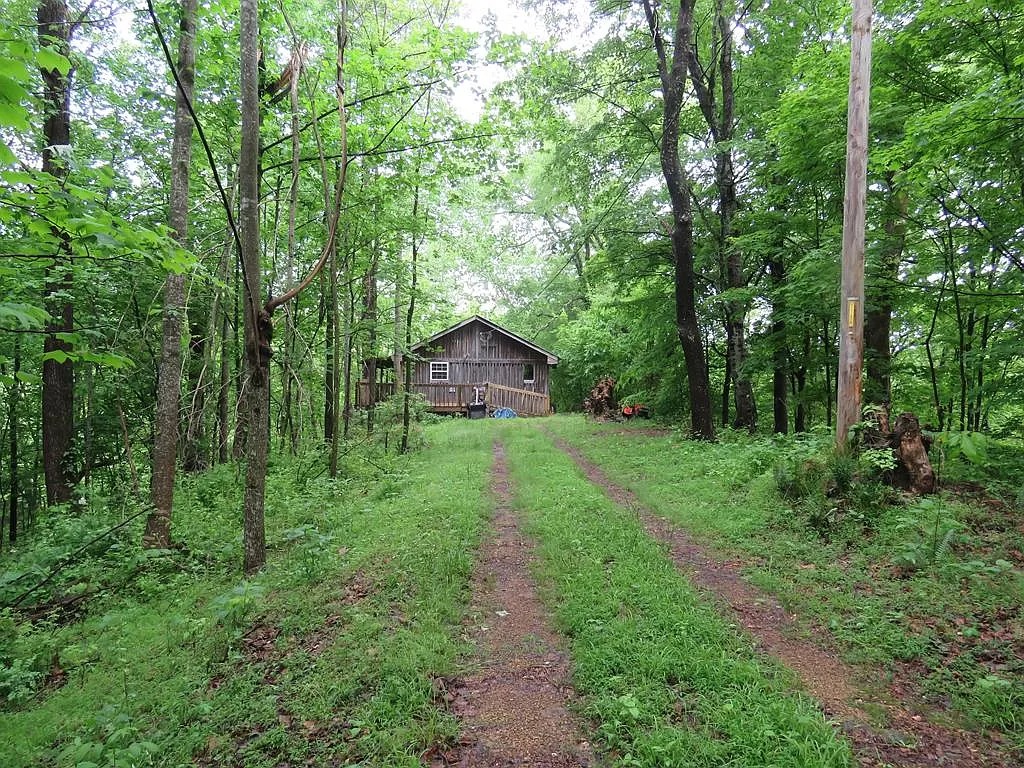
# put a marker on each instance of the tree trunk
(257, 323)
(673, 76)
(851, 292)
(289, 427)
(780, 356)
(727, 388)
(410, 365)
(58, 397)
(258, 328)
(826, 340)
(914, 471)
(344, 384)
(223, 392)
(369, 321)
(14, 486)
(241, 404)
(396, 349)
(725, 173)
(330, 362)
(193, 454)
(168, 400)
(331, 409)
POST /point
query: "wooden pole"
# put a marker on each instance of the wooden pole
(851, 312)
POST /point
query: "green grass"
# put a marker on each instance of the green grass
(667, 680)
(367, 582)
(956, 619)
(162, 675)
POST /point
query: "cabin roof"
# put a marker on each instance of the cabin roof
(552, 358)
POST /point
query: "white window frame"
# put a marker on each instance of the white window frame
(533, 369)
(439, 366)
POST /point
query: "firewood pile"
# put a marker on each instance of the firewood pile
(600, 403)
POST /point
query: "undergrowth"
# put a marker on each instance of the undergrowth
(327, 655)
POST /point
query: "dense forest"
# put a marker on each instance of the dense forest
(217, 218)
(132, 255)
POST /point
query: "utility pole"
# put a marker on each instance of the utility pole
(851, 299)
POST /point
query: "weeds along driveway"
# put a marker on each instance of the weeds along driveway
(664, 679)
(896, 732)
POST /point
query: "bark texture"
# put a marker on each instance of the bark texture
(168, 396)
(257, 322)
(914, 472)
(58, 371)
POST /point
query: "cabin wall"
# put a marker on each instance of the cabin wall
(476, 354)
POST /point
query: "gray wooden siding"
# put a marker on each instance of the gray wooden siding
(477, 354)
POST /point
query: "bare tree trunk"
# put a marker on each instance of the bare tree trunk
(409, 315)
(800, 417)
(14, 486)
(344, 384)
(289, 428)
(330, 363)
(193, 456)
(58, 371)
(725, 172)
(851, 314)
(726, 388)
(258, 328)
(331, 410)
(780, 356)
(369, 321)
(196, 457)
(241, 403)
(720, 119)
(223, 392)
(396, 349)
(826, 340)
(257, 324)
(673, 77)
(158, 522)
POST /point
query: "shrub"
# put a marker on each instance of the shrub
(836, 489)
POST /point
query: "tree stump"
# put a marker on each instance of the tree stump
(600, 403)
(914, 471)
(909, 446)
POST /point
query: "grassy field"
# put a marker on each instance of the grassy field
(928, 588)
(333, 654)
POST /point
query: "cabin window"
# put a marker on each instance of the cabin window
(439, 371)
(528, 373)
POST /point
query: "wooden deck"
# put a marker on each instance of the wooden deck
(454, 398)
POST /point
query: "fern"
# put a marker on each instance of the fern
(931, 540)
(942, 545)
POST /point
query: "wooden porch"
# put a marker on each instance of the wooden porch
(454, 398)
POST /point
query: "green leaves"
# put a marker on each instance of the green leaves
(50, 59)
(973, 446)
(24, 316)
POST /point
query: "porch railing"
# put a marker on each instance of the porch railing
(451, 398)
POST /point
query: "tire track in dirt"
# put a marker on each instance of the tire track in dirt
(909, 739)
(513, 708)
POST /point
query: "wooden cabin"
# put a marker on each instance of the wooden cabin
(474, 361)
